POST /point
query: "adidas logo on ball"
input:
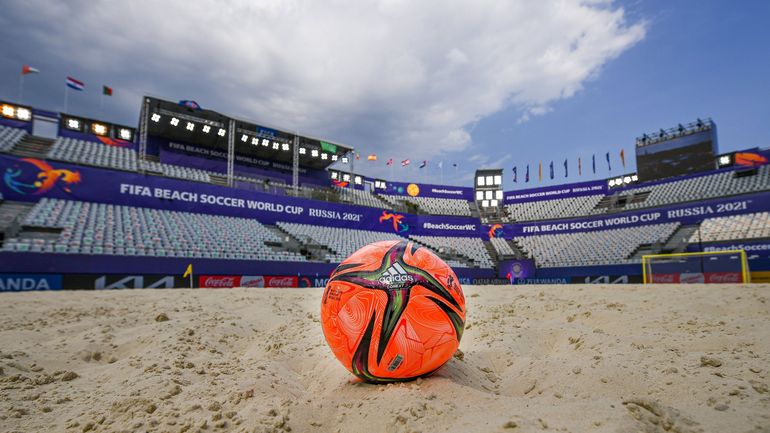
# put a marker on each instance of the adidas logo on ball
(396, 276)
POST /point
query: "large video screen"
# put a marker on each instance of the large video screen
(692, 153)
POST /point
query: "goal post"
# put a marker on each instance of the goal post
(729, 266)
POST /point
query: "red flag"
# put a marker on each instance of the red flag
(404, 163)
(27, 69)
(390, 162)
(623, 158)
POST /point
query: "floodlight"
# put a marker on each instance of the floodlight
(498, 179)
(73, 124)
(255, 141)
(324, 156)
(480, 181)
(357, 180)
(190, 126)
(344, 159)
(724, 160)
(124, 134)
(174, 121)
(612, 182)
(23, 113)
(479, 195)
(314, 153)
(334, 175)
(285, 147)
(634, 177)
(244, 137)
(627, 179)
(276, 145)
(302, 151)
(346, 177)
(494, 203)
(155, 117)
(335, 157)
(222, 132)
(8, 110)
(488, 195)
(265, 142)
(499, 194)
(99, 129)
(206, 129)
(485, 203)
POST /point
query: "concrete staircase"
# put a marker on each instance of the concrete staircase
(33, 147)
(312, 252)
(12, 214)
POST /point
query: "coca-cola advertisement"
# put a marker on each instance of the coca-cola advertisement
(219, 281)
(692, 278)
(229, 281)
(724, 277)
(665, 278)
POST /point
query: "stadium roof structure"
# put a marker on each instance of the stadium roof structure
(187, 122)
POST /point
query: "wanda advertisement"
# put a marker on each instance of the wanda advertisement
(698, 278)
(229, 281)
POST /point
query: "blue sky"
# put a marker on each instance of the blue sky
(484, 85)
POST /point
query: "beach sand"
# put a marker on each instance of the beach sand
(533, 358)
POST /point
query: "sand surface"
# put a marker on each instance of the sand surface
(536, 358)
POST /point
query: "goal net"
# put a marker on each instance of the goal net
(703, 267)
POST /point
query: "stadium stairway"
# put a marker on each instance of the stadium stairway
(493, 254)
(218, 179)
(33, 146)
(314, 253)
(678, 241)
(464, 261)
(12, 213)
(656, 247)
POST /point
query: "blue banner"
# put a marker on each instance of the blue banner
(555, 192)
(26, 282)
(428, 190)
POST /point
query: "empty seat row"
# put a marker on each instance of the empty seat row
(553, 209)
(746, 226)
(470, 248)
(9, 137)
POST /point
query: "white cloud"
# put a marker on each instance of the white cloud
(393, 77)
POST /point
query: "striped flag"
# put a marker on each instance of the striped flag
(390, 162)
(27, 69)
(371, 157)
(75, 84)
(106, 90)
(423, 164)
(404, 163)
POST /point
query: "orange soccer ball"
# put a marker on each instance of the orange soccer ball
(393, 311)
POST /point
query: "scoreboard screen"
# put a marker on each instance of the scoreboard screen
(692, 153)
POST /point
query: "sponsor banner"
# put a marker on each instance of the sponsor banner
(230, 281)
(749, 247)
(607, 279)
(428, 190)
(72, 182)
(723, 277)
(552, 280)
(26, 282)
(513, 270)
(669, 278)
(556, 192)
(760, 277)
(692, 213)
(122, 281)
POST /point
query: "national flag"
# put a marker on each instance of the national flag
(423, 164)
(106, 90)
(540, 171)
(371, 157)
(609, 167)
(551, 171)
(340, 183)
(75, 84)
(454, 164)
(515, 175)
(623, 157)
(27, 69)
(390, 162)
(526, 175)
(404, 163)
(192, 105)
(580, 167)
(188, 271)
(593, 162)
(566, 174)
(358, 156)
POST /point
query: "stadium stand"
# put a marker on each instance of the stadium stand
(340, 241)
(9, 137)
(472, 249)
(96, 228)
(502, 247)
(121, 158)
(747, 226)
(593, 248)
(432, 205)
(724, 183)
(553, 209)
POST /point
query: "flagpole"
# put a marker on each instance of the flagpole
(101, 103)
(442, 172)
(21, 88)
(65, 97)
